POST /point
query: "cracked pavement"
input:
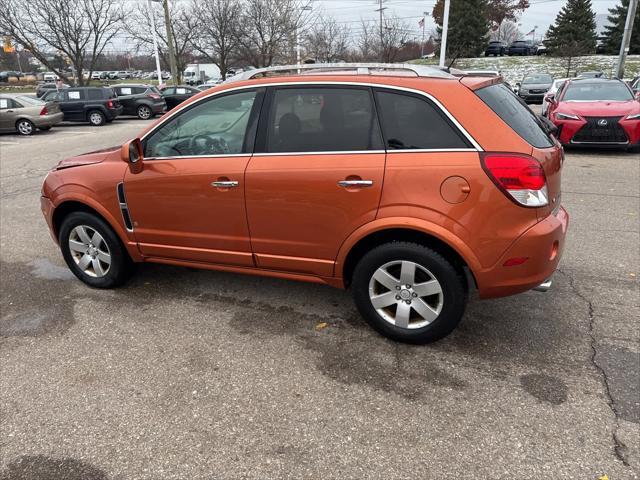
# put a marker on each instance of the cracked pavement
(207, 375)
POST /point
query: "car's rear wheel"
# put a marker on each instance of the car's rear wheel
(96, 118)
(409, 293)
(93, 251)
(25, 127)
(144, 112)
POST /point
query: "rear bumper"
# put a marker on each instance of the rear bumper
(49, 120)
(542, 245)
(114, 112)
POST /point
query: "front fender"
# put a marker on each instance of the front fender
(407, 223)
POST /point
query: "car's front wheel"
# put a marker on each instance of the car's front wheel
(144, 112)
(93, 251)
(96, 118)
(409, 293)
(25, 127)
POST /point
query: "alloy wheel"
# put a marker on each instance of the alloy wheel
(25, 127)
(95, 118)
(89, 251)
(406, 294)
(144, 112)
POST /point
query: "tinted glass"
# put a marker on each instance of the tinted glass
(6, 103)
(538, 78)
(169, 91)
(592, 92)
(95, 94)
(514, 113)
(53, 95)
(322, 120)
(410, 122)
(214, 127)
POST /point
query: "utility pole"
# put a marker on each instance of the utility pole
(381, 9)
(445, 27)
(172, 51)
(626, 38)
(424, 18)
(155, 42)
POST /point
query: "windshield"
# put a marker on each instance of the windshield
(594, 92)
(29, 100)
(538, 78)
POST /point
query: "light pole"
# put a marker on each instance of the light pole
(302, 9)
(381, 9)
(155, 42)
(626, 38)
(172, 52)
(424, 18)
(445, 27)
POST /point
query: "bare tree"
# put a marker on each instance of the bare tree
(507, 31)
(184, 27)
(395, 33)
(78, 30)
(367, 42)
(327, 41)
(267, 29)
(217, 37)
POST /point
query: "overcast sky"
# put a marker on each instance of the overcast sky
(541, 13)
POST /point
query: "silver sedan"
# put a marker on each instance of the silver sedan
(24, 114)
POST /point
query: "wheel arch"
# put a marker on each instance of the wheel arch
(70, 205)
(449, 246)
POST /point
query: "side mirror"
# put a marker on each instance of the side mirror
(131, 152)
(551, 97)
(517, 84)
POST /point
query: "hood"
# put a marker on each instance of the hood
(600, 109)
(96, 156)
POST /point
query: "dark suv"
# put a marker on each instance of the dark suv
(95, 105)
(496, 48)
(143, 101)
(523, 47)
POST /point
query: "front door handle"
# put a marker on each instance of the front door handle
(355, 183)
(224, 183)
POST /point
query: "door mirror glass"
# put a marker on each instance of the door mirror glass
(135, 151)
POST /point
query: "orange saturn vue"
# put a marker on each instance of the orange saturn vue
(408, 184)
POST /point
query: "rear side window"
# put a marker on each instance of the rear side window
(75, 94)
(317, 119)
(411, 122)
(95, 94)
(514, 113)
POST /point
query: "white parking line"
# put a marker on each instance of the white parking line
(9, 143)
(75, 132)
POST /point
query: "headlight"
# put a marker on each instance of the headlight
(567, 116)
(633, 116)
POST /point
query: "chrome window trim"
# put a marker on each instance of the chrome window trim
(459, 126)
(217, 155)
(346, 152)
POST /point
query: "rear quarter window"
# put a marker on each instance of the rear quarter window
(514, 113)
(95, 94)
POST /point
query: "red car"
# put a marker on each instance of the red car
(596, 112)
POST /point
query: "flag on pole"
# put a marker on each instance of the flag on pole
(421, 22)
(531, 32)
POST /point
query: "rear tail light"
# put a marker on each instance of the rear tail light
(109, 103)
(44, 111)
(520, 177)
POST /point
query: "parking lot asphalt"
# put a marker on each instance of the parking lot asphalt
(186, 374)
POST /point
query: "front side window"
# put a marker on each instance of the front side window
(213, 127)
(410, 122)
(53, 96)
(322, 119)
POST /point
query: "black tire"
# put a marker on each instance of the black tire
(121, 267)
(144, 112)
(25, 127)
(452, 282)
(96, 118)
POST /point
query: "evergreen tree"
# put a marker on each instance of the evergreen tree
(468, 28)
(613, 31)
(574, 31)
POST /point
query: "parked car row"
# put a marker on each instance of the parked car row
(499, 48)
(94, 105)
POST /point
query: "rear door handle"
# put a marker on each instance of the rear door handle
(225, 183)
(355, 183)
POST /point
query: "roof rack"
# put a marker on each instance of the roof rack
(342, 68)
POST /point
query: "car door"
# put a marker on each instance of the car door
(126, 99)
(74, 102)
(7, 114)
(188, 201)
(169, 96)
(316, 175)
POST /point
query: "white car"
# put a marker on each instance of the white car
(555, 86)
(96, 75)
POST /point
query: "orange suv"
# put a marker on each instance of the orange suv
(405, 183)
